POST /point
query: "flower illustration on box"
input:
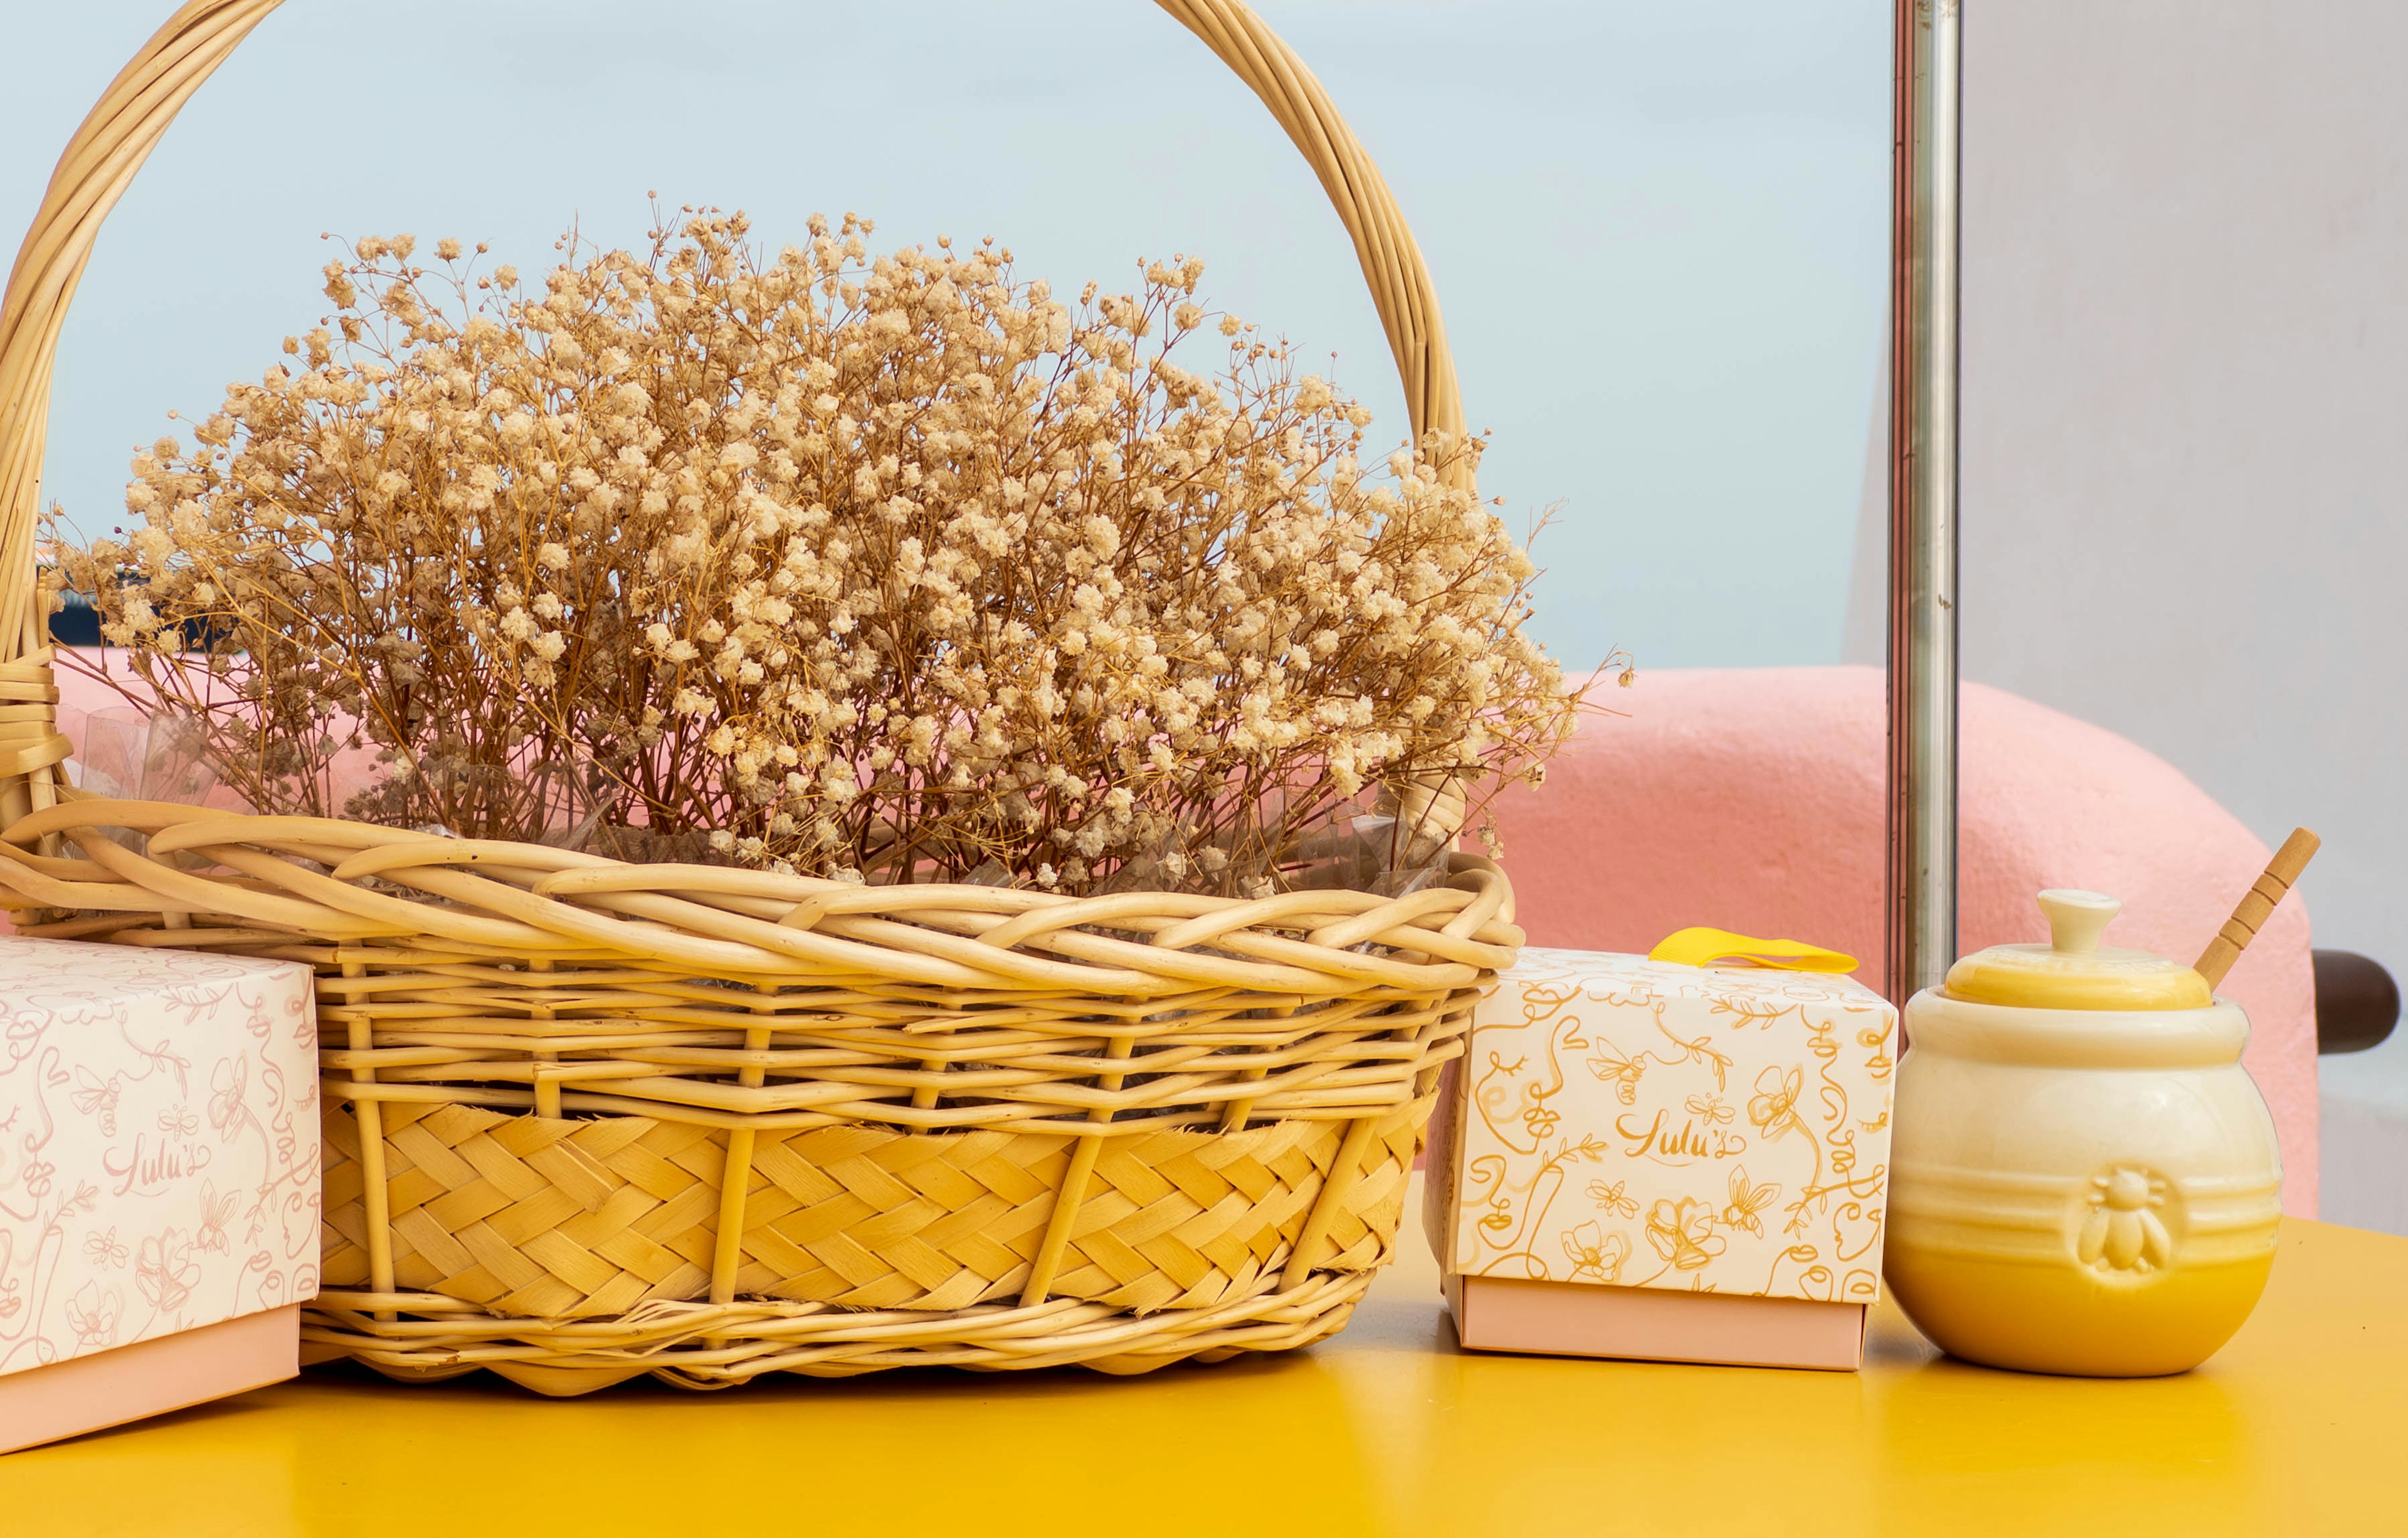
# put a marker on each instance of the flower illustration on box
(1682, 1232)
(97, 1097)
(93, 1314)
(1775, 1106)
(1746, 1201)
(216, 1212)
(1597, 1256)
(166, 1270)
(226, 1110)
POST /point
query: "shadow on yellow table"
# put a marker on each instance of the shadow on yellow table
(1389, 1430)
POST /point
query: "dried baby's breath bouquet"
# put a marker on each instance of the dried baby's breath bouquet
(895, 569)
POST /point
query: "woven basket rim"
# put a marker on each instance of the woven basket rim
(303, 882)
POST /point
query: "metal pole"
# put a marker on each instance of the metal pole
(1922, 780)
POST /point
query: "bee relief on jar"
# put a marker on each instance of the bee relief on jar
(2122, 1225)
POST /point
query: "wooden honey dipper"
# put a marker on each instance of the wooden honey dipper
(2256, 903)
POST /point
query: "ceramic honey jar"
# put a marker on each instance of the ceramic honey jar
(2085, 1180)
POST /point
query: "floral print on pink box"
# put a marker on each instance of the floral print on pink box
(158, 1144)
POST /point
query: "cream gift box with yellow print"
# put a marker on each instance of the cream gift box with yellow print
(1642, 1157)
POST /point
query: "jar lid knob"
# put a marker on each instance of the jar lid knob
(2077, 919)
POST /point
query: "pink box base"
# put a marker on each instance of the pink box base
(1576, 1319)
(148, 1378)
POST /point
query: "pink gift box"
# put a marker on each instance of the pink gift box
(159, 1169)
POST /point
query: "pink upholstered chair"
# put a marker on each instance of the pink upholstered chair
(1751, 800)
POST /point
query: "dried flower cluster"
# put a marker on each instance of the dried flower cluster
(895, 567)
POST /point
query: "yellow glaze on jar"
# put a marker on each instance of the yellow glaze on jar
(2089, 1190)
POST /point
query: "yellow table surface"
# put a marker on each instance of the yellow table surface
(2299, 1426)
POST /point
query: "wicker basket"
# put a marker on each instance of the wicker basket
(588, 1119)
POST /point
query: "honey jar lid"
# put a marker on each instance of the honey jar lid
(2072, 971)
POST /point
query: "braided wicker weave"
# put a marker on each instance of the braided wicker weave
(588, 1119)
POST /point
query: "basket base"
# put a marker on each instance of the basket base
(426, 1338)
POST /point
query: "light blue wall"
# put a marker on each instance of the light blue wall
(1658, 230)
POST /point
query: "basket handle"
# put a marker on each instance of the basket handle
(127, 123)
